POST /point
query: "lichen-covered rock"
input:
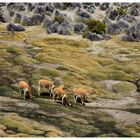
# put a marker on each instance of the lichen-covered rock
(118, 27)
(103, 6)
(129, 38)
(113, 29)
(30, 7)
(71, 6)
(15, 27)
(47, 22)
(94, 37)
(16, 6)
(106, 21)
(123, 24)
(21, 7)
(64, 29)
(79, 27)
(135, 5)
(90, 7)
(26, 21)
(54, 27)
(58, 5)
(39, 10)
(49, 7)
(60, 17)
(134, 12)
(106, 36)
(83, 14)
(37, 19)
(48, 30)
(128, 18)
(133, 33)
(113, 14)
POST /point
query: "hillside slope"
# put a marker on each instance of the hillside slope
(105, 65)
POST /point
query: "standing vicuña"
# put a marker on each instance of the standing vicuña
(81, 94)
(60, 94)
(45, 84)
(25, 90)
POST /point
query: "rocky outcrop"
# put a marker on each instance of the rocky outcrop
(79, 28)
(49, 7)
(15, 27)
(104, 6)
(134, 11)
(39, 10)
(26, 21)
(58, 5)
(117, 28)
(133, 33)
(90, 7)
(128, 18)
(36, 19)
(64, 29)
(113, 14)
(47, 22)
(64, 18)
(55, 27)
(83, 14)
(30, 7)
(96, 37)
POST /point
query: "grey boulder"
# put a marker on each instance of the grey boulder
(15, 27)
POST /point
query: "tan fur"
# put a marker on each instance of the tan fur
(25, 87)
(60, 94)
(45, 84)
(81, 93)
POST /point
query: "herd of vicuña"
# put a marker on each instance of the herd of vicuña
(58, 93)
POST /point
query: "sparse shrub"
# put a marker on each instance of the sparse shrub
(122, 11)
(94, 26)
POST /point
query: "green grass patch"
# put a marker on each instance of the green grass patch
(119, 75)
(94, 25)
(52, 73)
(124, 87)
(24, 60)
